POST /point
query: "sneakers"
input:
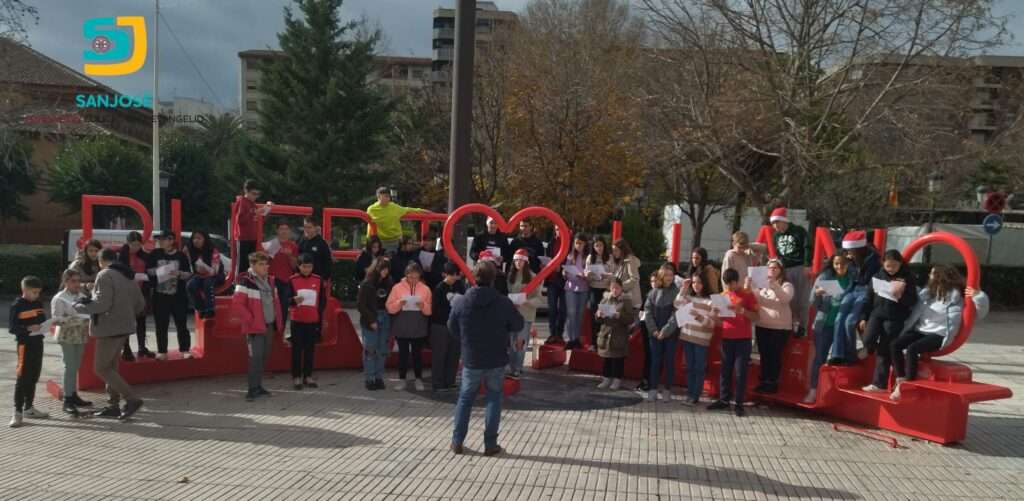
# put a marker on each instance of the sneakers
(108, 412)
(689, 402)
(652, 395)
(127, 355)
(371, 385)
(493, 452)
(33, 413)
(75, 399)
(616, 384)
(457, 449)
(872, 388)
(16, 420)
(262, 392)
(718, 405)
(144, 353)
(418, 384)
(811, 397)
(895, 395)
(131, 408)
(187, 355)
(400, 386)
(605, 383)
(250, 396)
(69, 408)
(311, 383)
(378, 384)
(643, 386)
(161, 356)
(665, 395)
(739, 411)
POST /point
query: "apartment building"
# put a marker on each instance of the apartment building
(488, 19)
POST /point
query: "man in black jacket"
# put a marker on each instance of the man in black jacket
(484, 320)
(529, 241)
(494, 241)
(312, 243)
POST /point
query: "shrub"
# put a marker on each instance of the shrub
(17, 261)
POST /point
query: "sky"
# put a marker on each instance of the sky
(211, 33)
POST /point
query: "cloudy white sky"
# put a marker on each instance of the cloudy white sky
(212, 32)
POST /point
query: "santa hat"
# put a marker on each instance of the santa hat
(521, 255)
(490, 220)
(486, 255)
(856, 239)
(779, 214)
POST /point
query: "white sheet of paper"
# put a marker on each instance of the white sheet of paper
(684, 315)
(643, 315)
(758, 276)
(572, 270)
(307, 297)
(678, 280)
(544, 260)
(44, 328)
(518, 298)
(84, 316)
(832, 287)
(141, 277)
(272, 247)
(202, 267)
(496, 251)
(724, 306)
(163, 273)
(412, 303)
(883, 288)
(597, 270)
(426, 258)
(607, 310)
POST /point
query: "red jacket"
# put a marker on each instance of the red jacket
(308, 314)
(281, 263)
(247, 305)
(247, 218)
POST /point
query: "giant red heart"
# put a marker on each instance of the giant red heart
(507, 227)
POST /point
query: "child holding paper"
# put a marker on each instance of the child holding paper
(659, 315)
(577, 290)
(598, 272)
(169, 270)
(72, 332)
(736, 333)
(697, 327)
(374, 321)
(207, 272)
(28, 324)
(135, 257)
(409, 304)
(307, 309)
(518, 278)
(774, 325)
(826, 305)
(616, 315)
(890, 299)
(444, 346)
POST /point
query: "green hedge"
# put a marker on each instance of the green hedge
(17, 261)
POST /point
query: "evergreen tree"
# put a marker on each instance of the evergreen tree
(327, 123)
(16, 176)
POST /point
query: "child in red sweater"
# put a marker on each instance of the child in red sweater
(307, 309)
(737, 332)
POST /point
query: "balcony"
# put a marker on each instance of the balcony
(444, 54)
(444, 33)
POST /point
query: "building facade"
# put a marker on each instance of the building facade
(489, 19)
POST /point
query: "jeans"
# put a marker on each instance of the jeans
(375, 347)
(575, 302)
(735, 358)
(516, 356)
(494, 379)
(200, 290)
(614, 368)
(696, 356)
(445, 349)
(556, 310)
(30, 365)
(106, 356)
(404, 348)
(304, 338)
(770, 344)
(72, 362)
(823, 339)
(164, 307)
(880, 333)
(844, 342)
(916, 343)
(259, 352)
(663, 353)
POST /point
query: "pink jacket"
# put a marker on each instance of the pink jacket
(774, 311)
(401, 290)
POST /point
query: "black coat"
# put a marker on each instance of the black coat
(878, 306)
(323, 262)
(534, 246)
(484, 240)
(484, 320)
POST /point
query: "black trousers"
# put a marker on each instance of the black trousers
(245, 247)
(166, 307)
(304, 338)
(404, 348)
(770, 344)
(647, 349)
(915, 343)
(880, 334)
(140, 322)
(285, 295)
(30, 364)
(614, 368)
(445, 349)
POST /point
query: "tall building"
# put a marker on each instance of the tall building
(488, 20)
(186, 111)
(393, 73)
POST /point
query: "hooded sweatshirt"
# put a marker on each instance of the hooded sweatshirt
(484, 320)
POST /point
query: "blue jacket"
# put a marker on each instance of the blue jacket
(484, 320)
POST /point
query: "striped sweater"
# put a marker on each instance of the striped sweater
(697, 332)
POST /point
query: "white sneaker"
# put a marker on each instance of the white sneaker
(616, 383)
(400, 386)
(652, 395)
(161, 356)
(665, 395)
(895, 395)
(33, 413)
(688, 403)
(419, 385)
(16, 420)
(186, 355)
(605, 383)
(812, 396)
(871, 388)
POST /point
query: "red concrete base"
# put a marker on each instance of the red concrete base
(549, 355)
(510, 387)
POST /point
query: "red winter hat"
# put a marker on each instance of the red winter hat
(486, 255)
(522, 254)
(855, 239)
(779, 214)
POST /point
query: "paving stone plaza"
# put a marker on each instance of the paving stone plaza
(198, 439)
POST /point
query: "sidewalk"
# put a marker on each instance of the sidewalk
(198, 439)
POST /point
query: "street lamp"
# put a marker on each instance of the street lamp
(934, 187)
(165, 180)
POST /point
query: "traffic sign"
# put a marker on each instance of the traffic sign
(993, 223)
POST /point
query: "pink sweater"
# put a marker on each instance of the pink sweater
(774, 312)
(401, 290)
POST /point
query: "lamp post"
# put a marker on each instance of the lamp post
(934, 187)
(460, 175)
(165, 180)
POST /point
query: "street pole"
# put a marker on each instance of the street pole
(156, 120)
(931, 228)
(460, 173)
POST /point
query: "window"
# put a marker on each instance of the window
(252, 105)
(417, 73)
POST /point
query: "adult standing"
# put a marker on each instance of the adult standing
(315, 245)
(791, 248)
(116, 303)
(493, 240)
(387, 215)
(555, 284)
(484, 320)
(528, 240)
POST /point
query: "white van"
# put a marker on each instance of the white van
(116, 238)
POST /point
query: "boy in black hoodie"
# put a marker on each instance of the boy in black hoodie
(170, 269)
(26, 324)
(443, 345)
